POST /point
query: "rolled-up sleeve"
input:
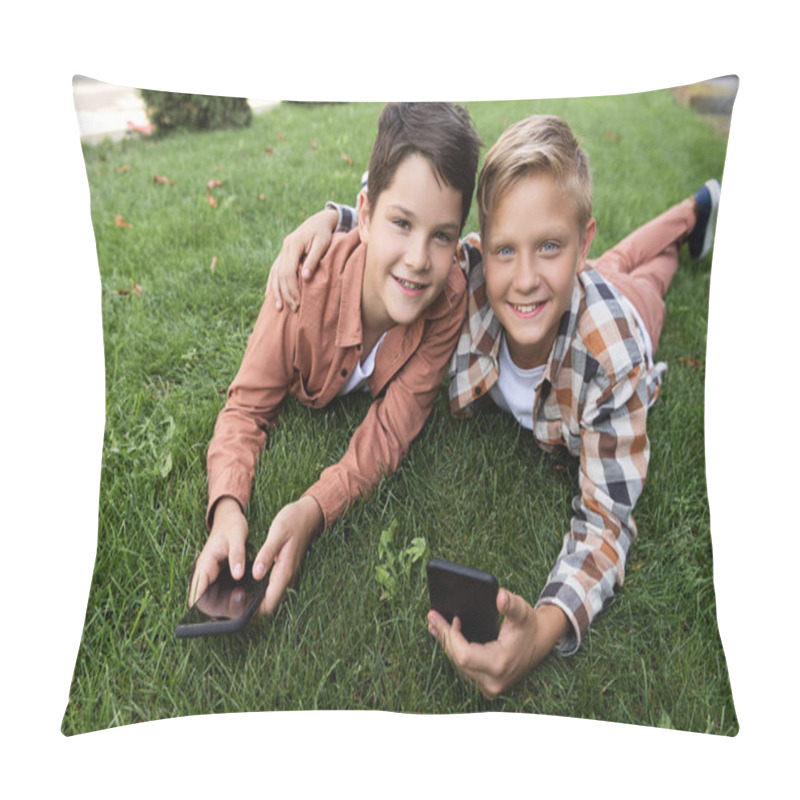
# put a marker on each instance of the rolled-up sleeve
(613, 465)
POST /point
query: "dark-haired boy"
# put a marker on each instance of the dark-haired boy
(381, 314)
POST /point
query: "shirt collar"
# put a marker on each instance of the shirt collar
(566, 332)
(475, 362)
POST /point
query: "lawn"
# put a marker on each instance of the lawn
(186, 228)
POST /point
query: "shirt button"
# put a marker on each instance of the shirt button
(344, 373)
(477, 390)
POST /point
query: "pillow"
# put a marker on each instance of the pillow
(186, 226)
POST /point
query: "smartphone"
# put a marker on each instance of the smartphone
(467, 593)
(225, 606)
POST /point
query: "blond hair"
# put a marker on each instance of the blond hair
(540, 144)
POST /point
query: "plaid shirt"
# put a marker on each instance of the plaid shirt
(592, 399)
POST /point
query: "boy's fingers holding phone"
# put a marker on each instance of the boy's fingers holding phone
(205, 573)
(449, 637)
(236, 559)
(289, 536)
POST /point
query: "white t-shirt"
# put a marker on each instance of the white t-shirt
(361, 372)
(515, 388)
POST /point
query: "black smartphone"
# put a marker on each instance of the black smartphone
(467, 593)
(225, 606)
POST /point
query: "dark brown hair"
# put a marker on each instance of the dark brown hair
(441, 132)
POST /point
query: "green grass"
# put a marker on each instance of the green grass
(478, 491)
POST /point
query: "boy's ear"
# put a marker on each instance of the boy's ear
(363, 215)
(588, 237)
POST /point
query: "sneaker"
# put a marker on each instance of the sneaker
(702, 236)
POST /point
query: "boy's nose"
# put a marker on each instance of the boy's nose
(417, 253)
(526, 275)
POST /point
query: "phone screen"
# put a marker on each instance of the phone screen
(225, 606)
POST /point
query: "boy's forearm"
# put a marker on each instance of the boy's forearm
(251, 409)
(553, 626)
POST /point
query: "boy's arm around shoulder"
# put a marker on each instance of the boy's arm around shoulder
(400, 410)
(614, 456)
(253, 405)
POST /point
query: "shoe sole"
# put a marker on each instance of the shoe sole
(715, 191)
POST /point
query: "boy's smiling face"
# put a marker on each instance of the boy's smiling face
(533, 249)
(411, 236)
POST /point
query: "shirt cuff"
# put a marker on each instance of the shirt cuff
(330, 503)
(232, 484)
(570, 643)
(347, 217)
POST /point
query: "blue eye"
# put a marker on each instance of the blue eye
(504, 252)
(550, 247)
(444, 238)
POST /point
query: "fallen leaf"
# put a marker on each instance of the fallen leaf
(213, 184)
(120, 222)
(124, 168)
(212, 201)
(262, 197)
(213, 264)
(313, 144)
(280, 137)
(614, 137)
(347, 158)
(135, 289)
(269, 151)
(162, 179)
(696, 363)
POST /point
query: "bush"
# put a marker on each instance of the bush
(169, 111)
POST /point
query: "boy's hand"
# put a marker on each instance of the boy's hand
(527, 635)
(306, 245)
(226, 540)
(290, 534)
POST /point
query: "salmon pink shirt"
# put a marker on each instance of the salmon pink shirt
(311, 354)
